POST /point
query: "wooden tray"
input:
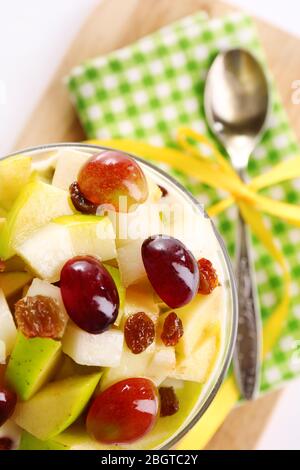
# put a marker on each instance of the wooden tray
(113, 24)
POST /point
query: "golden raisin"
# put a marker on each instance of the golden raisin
(208, 279)
(139, 332)
(172, 330)
(40, 316)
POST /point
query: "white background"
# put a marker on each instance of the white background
(34, 35)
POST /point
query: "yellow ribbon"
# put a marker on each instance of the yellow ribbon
(213, 169)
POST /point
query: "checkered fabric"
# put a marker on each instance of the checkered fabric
(148, 90)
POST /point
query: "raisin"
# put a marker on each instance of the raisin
(80, 202)
(2, 266)
(164, 192)
(6, 443)
(172, 330)
(169, 403)
(40, 316)
(208, 280)
(139, 332)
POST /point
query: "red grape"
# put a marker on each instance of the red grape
(8, 401)
(111, 174)
(124, 412)
(171, 268)
(89, 293)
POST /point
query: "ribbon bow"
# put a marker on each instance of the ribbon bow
(213, 169)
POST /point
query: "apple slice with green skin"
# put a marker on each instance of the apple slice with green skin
(14, 173)
(32, 363)
(104, 349)
(47, 250)
(56, 406)
(68, 164)
(29, 442)
(8, 331)
(37, 204)
(12, 282)
(115, 274)
(91, 235)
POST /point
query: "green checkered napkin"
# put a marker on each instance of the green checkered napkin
(148, 90)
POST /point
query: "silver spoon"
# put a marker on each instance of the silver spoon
(236, 101)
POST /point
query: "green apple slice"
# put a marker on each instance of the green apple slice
(29, 442)
(12, 282)
(14, 173)
(68, 164)
(90, 235)
(32, 363)
(104, 349)
(37, 204)
(56, 406)
(115, 274)
(47, 250)
(8, 331)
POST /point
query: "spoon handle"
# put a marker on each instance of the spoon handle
(248, 344)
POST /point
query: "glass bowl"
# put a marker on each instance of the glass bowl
(42, 152)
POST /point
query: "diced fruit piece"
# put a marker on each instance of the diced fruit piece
(3, 353)
(10, 435)
(198, 365)
(108, 176)
(198, 318)
(8, 401)
(130, 262)
(31, 364)
(37, 204)
(131, 365)
(90, 235)
(115, 274)
(171, 269)
(14, 264)
(68, 164)
(208, 280)
(56, 406)
(140, 298)
(172, 330)
(41, 317)
(139, 332)
(124, 412)
(169, 404)
(89, 294)
(11, 283)
(29, 442)
(162, 363)
(14, 173)
(47, 250)
(39, 287)
(8, 331)
(80, 203)
(69, 368)
(104, 349)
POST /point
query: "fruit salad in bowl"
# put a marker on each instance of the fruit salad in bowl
(117, 303)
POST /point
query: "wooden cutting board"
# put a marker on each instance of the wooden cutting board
(113, 24)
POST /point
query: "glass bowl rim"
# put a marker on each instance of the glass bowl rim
(231, 343)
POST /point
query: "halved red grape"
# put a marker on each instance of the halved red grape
(112, 174)
(89, 294)
(8, 401)
(171, 268)
(124, 412)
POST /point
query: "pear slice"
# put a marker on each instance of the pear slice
(14, 173)
(56, 406)
(68, 164)
(12, 282)
(90, 235)
(37, 204)
(8, 331)
(32, 363)
(104, 349)
(140, 298)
